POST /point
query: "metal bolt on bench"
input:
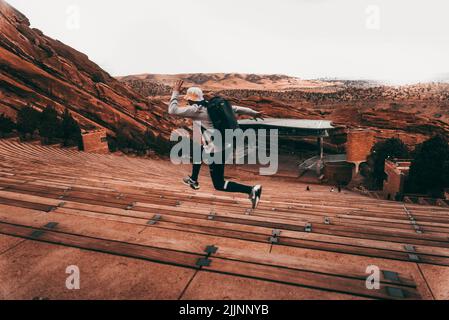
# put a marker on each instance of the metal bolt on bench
(155, 219)
(308, 227)
(275, 234)
(413, 257)
(391, 275)
(211, 216)
(205, 262)
(131, 206)
(36, 234)
(395, 292)
(51, 225)
(211, 250)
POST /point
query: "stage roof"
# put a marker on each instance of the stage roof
(290, 123)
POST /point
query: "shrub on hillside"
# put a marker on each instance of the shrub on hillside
(71, 131)
(6, 126)
(128, 140)
(131, 141)
(429, 172)
(50, 126)
(388, 149)
(28, 120)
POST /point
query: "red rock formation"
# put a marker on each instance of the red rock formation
(413, 112)
(160, 84)
(41, 71)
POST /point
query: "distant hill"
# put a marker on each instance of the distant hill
(229, 81)
(413, 112)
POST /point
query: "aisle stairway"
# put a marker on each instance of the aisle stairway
(135, 232)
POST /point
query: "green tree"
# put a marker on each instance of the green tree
(157, 143)
(388, 149)
(71, 131)
(6, 125)
(128, 139)
(50, 125)
(429, 172)
(28, 120)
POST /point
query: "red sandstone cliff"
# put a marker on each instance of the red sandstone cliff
(37, 70)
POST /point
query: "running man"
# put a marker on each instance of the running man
(197, 111)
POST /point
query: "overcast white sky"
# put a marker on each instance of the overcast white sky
(396, 40)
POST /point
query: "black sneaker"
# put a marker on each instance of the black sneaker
(191, 183)
(256, 194)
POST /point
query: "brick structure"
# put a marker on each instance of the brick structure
(358, 147)
(396, 171)
(95, 141)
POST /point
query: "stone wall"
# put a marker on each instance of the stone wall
(396, 172)
(359, 145)
(95, 142)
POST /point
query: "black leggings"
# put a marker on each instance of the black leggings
(196, 168)
(217, 175)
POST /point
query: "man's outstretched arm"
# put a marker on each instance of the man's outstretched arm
(174, 109)
(248, 112)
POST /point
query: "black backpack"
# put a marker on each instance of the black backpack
(222, 115)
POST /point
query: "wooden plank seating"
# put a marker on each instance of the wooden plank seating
(191, 260)
(137, 208)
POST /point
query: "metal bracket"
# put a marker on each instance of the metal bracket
(60, 205)
(211, 250)
(203, 262)
(409, 248)
(274, 240)
(211, 216)
(276, 233)
(51, 225)
(131, 206)
(395, 292)
(37, 234)
(327, 220)
(308, 227)
(155, 219)
(391, 275)
(413, 257)
(417, 228)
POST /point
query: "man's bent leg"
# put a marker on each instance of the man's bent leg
(217, 175)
